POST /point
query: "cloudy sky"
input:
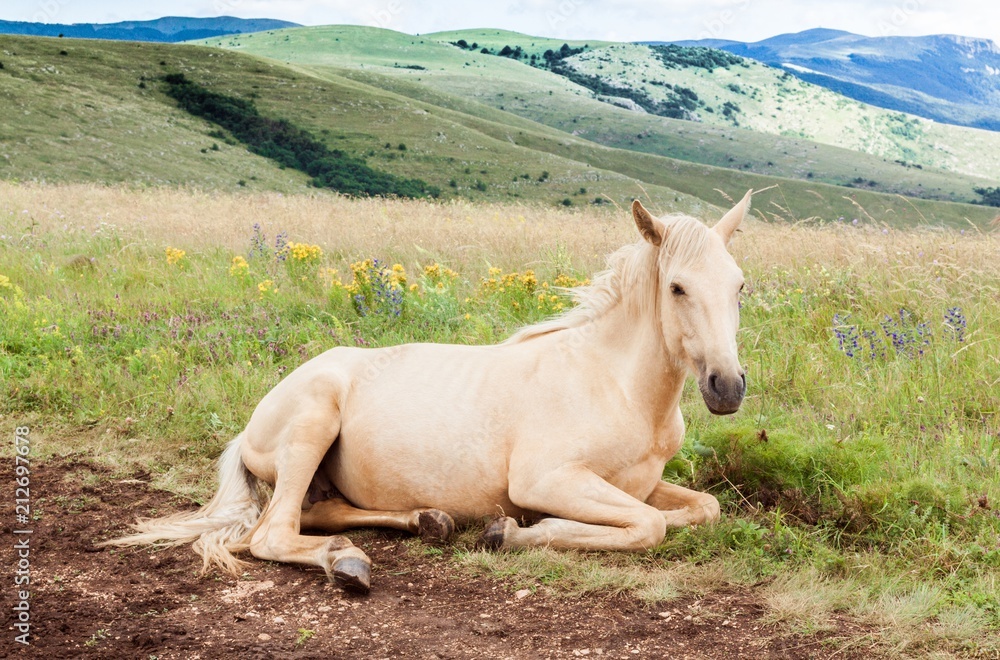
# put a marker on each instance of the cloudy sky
(624, 20)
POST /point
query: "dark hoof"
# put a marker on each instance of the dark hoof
(435, 526)
(492, 538)
(353, 574)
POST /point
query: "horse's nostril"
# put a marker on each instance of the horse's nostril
(743, 377)
(712, 383)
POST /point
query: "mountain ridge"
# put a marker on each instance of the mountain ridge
(949, 78)
(168, 29)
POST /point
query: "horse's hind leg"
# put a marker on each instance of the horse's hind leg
(337, 514)
(300, 446)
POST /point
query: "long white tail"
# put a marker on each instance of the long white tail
(216, 530)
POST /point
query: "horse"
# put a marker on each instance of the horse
(560, 433)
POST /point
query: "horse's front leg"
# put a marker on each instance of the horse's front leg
(682, 507)
(588, 513)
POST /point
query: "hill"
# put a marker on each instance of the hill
(170, 29)
(746, 94)
(432, 68)
(100, 113)
(947, 78)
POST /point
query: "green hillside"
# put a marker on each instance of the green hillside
(514, 87)
(99, 114)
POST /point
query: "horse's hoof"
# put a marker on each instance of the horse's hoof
(353, 574)
(493, 535)
(435, 526)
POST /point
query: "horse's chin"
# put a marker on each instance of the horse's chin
(721, 411)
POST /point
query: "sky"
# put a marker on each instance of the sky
(623, 20)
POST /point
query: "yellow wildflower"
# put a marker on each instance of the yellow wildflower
(5, 282)
(266, 286)
(568, 282)
(303, 252)
(239, 267)
(174, 256)
(398, 275)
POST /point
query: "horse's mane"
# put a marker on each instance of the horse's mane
(631, 278)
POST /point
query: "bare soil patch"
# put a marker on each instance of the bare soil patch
(105, 603)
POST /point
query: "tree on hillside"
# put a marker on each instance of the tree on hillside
(990, 196)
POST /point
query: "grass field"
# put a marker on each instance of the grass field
(858, 481)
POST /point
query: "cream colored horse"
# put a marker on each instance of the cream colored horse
(566, 426)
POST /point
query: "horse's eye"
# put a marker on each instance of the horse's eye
(677, 289)
(742, 287)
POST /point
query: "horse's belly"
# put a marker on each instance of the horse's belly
(390, 476)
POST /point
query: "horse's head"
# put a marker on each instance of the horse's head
(699, 295)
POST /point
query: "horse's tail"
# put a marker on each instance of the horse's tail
(216, 530)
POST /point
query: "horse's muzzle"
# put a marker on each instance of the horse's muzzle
(723, 394)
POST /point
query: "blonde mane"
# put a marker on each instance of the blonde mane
(631, 278)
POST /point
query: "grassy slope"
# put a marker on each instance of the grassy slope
(83, 117)
(376, 56)
(551, 100)
(86, 119)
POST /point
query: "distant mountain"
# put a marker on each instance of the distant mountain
(170, 29)
(947, 78)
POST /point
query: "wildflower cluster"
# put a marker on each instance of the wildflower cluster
(239, 267)
(258, 243)
(266, 287)
(905, 335)
(954, 323)
(280, 245)
(500, 283)
(5, 282)
(437, 278)
(398, 276)
(568, 281)
(377, 290)
(435, 272)
(260, 248)
(301, 252)
(516, 288)
(175, 256)
(898, 335)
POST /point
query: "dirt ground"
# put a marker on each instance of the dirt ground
(103, 603)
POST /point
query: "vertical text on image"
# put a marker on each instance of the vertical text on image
(22, 534)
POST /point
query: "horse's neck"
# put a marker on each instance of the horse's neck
(632, 350)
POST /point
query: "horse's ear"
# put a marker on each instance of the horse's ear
(650, 228)
(727, 226)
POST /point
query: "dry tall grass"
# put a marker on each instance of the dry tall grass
(471, 236)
